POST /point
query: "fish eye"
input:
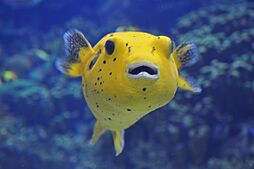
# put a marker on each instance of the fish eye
(110, 47)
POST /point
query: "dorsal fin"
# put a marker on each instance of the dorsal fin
(74, 42)
(185, 54)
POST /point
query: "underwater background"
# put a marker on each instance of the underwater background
(46, 124)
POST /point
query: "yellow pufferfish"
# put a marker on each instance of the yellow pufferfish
(125, 76)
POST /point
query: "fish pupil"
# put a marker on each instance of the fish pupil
(110, 47)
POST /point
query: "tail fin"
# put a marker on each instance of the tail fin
(74, 42)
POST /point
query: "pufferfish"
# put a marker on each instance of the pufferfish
(125, 76)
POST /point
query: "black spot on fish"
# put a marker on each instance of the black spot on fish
(92, 63)
(149, 106)
(144, 89)
(101, 90)
(100, 83)
(129, 49)
(98, 78)
(99, 70)
(158, 37)
(153, 49)
(126, 44)
(104, 61)
(109, 118)
(144, 98)
(109, 99)
(111, 35)
(128, 109)
(114, 59)
(110, 73)
(95, 83)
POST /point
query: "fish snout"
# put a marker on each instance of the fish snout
(143, 70)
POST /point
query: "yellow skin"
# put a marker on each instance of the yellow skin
(116, 99)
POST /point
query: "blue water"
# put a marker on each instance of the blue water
(46, 123)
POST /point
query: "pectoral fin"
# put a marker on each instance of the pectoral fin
(185, 85)
(118, 137)
(185, 54)
(97, 132)
(77, 50)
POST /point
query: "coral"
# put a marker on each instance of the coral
(224, 35)
(235, 163)
(41, 145)
(23, 62)
(36, 103)
(229, 30)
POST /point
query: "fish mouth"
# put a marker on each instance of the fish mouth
(143, 70)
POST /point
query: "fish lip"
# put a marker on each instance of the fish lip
(150, 71)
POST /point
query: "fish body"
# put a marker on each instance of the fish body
(125, 76)
(117, 100)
